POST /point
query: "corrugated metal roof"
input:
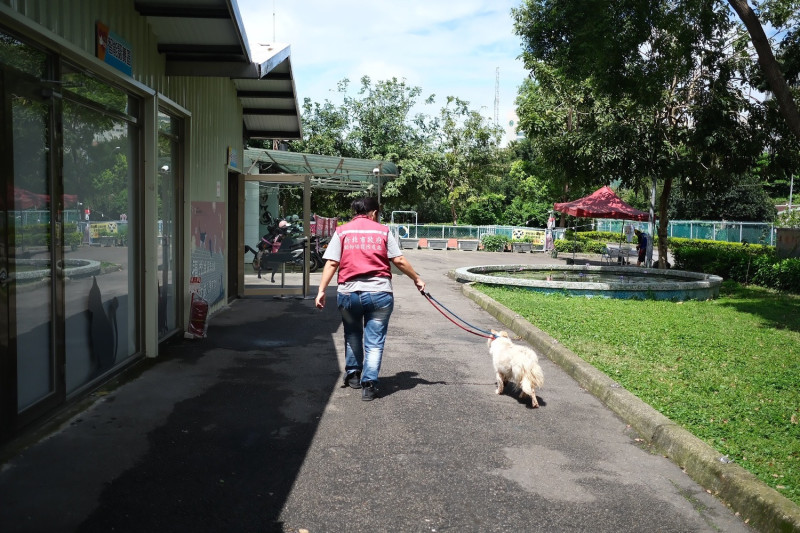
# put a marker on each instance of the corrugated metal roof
(207, 38)
(327, 172)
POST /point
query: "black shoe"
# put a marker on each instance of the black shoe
(353, 380)
(369, 391)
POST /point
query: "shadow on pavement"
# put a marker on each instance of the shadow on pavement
(227, 458)
(405, 380)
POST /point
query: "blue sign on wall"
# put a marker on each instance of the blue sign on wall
(114, 50)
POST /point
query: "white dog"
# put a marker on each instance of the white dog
(516, 364)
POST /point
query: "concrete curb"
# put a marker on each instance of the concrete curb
(758, 504)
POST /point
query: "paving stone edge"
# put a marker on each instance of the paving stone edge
(761, 506)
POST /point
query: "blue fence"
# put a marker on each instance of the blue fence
(752, 232)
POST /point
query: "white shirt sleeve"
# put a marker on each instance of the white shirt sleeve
(392, 248)
(334, 250)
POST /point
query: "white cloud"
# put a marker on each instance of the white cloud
(446, 48)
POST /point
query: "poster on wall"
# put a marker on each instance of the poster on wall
(208, 249)
(233, 157)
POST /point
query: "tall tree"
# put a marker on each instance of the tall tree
(781, 12)
(466, 149)
(664, 86)
(779, 68)
(379, 121)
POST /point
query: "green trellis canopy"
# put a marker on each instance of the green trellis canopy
(325, 171)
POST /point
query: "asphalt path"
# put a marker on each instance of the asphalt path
(250, 429)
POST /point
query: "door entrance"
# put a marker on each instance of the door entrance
(274, 213)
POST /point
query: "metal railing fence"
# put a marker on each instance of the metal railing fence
(444, 231)
(752, 232)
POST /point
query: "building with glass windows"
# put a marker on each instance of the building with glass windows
(124, 126)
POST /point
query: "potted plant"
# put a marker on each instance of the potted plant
(73, 239)
(437, 244)
(468, 244)
(104, 237)
(787, 230)
(494, 243)
(518, 245)
(407, 243)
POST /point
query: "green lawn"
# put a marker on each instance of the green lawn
(728, 370)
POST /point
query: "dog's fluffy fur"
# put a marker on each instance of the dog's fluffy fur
(516, 364)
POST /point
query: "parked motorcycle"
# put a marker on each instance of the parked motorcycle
(284, 244)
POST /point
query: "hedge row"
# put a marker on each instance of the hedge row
(39, 235)
(587, 242)
(741, 262)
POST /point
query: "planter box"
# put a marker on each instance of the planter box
(521, 246)
(788, 242)
(437, 244)
(409, 244)
(468, 244)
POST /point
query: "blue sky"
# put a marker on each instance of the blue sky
(447, 48)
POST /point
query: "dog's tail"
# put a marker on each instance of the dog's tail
(533, 374)
(532, 379)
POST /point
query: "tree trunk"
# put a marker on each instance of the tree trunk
(663, 222)
(769, 65)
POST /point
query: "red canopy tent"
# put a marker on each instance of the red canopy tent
(25, 199)
(602, 203)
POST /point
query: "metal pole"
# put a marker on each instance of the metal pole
(653, 206)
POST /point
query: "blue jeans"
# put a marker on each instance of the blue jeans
(365, 316)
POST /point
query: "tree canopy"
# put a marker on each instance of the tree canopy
(447, 160)
(664, 95)
(643, 92)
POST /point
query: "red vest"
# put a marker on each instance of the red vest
(364, 249)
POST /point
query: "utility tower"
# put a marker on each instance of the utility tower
(497, 97)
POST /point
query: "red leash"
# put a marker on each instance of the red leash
(484, 334)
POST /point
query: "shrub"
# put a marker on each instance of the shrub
(32, 235)
(594, 247)
(579, 245)
(788, 219)
(603, 236)
(783, 275)
(494, 243)
(568, 246)
(743, 263)
(73, 239)
(729, 260)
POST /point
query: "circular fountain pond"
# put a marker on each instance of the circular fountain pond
(29, 270)
(601, 281)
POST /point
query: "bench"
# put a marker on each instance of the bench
(621, 252)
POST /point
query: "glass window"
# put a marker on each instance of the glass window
(30, 220)
(22, 56)
(101, 147)
(108, 97)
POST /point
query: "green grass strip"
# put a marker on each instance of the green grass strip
(727, 370)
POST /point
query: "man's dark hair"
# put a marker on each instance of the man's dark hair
(362, 206)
